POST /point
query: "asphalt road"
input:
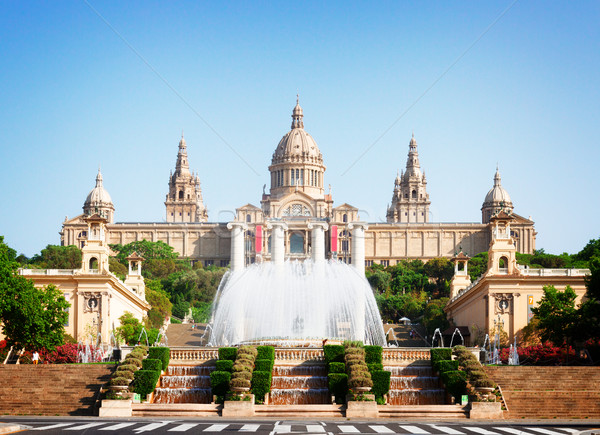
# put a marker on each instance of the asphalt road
(76, 426)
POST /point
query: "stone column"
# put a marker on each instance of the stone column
(358, 245)
(237, 244)
(318, 240)
(278, 229)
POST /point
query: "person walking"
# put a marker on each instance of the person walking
(36, 357)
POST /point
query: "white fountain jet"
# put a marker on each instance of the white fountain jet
(237, 244)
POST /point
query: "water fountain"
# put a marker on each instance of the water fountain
(414, 385)
(441, 339)
(462, 340)
(513, 356)
(301, 302)
(488, 351)
(161, 338)
(143, 332)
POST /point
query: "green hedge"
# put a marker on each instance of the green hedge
(145, 381)
(229, 353)
(375, 367)
(337, 367)
(381, 382)
(219, 382)
(440, 353)
(445, 366)
(373, 354)
(224, 365)
(455, 382)
(263, 365)
(338, 386)
(152, 364)
(161, 353)
(265, 352)
(333, 353)
(261, 384)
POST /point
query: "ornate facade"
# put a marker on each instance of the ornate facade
(297, 197)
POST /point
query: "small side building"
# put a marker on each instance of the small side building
(97, 297)
(502, 298)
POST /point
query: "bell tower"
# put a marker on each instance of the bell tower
(96, 252)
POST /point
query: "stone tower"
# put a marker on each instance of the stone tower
(99, 202)
(410, 201)
(184, 200)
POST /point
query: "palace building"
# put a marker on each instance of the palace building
(298, 198)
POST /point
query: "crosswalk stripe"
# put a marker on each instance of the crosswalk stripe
(511, 430)
(544, 431)
(215, 427)
(150, 427)
(480, 430)
(249, 428)
(117, 426)
(381, 429)
(183, 427)
(414, 429)
(84, 426)
(282, 428)
(348, 429)
(570, 430)
(446, 429)
(314, 428)
(53, 426)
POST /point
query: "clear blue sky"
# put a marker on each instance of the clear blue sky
(74, 96)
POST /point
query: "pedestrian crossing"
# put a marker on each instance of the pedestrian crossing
(278, 428)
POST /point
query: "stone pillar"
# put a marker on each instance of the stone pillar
(278, 229)
(237, 244)
(318, 240)
(358, 245)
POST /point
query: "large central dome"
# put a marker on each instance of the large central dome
(297, 143)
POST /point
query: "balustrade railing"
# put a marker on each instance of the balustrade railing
(299, 355)
(403, 355)
(183, 355)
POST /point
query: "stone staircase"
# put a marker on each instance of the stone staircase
(399, 335)
(51, 389)
(182, 334)
(549, 392)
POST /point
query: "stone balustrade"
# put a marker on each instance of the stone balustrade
(395, 356)
(294, 354)
(181, 355)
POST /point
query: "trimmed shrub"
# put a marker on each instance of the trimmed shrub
(355, 351)
(440, 353)
(240, 383)
(124, 374)
(243, 375)
(265, 352)
(161, 353)
(120, 380)
(475, 375)
(373, 354)
(224, 365)
(145, 381)
(455, 382)
(338, 386)
(247, 350)
(219, 382)
(227, 353)
(238, 367)
(375, 367)
(333, 353)
(337, 367)
(484, 383)
(152, 364)
(360, 381)
(127, 367)
(352, 343)
(445, 366)
(381, 382)
(263, 365)
(133, 361)
(245, 359)
(261, 384)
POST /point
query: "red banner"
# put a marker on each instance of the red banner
(258, 239)
(334, 238)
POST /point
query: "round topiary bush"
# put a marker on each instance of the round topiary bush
(240, 383)
(124, 374)
(243, 375)
(133, 361)
(361, 381)
(484, 383)
(249, 350)
(241, 368)
(120, 381)
(127, 367)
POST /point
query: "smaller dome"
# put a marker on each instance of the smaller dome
(497, 194)
(98, 195)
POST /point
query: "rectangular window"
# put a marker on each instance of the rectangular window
(368, 263)
(292, 179)
(224, 263)
(385, 263)
(209, 262)
(301, 177)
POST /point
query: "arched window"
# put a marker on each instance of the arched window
(93, 263)
(269, 244)
(181, 194)
(414, 194)
(503, 263)
(296, 243)
(345, 218)
(248, 218)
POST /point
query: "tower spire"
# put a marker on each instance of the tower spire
(297, 115)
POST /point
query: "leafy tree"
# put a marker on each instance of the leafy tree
(117, 268)
(159, 300)
(396, 306)
(379, 280)
(58, 257)
(202, 312)
(589, 310)
(441, 270)
(477, 265)
(31, 318)
(131, 330)
(181, 308)
(408, 276)
(149, 250)
(592, 249)
(556, 314)
(434, 316)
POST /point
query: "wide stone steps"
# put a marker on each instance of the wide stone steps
(549, 392)
(423, 411)
(51, 389)
(176, 409)
(300, 410)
